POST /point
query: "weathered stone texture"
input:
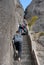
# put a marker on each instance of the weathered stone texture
(10, 16)
(36, 8)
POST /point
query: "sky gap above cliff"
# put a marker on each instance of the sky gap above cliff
(25, 3)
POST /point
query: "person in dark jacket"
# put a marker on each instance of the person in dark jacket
(17, 41)
(20, 28)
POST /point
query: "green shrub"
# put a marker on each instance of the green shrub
(32, 21)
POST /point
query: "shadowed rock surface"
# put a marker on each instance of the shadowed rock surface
(11, 13)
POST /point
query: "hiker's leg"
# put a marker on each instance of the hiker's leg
(16, 50)
(19, 49)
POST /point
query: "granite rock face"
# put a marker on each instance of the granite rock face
(11, 14)
(36, 8)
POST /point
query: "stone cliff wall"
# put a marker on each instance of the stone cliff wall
(36, 8)
(11, 13)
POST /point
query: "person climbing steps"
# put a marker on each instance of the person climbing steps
(17, 43)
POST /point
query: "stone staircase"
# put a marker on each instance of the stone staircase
(26, 53)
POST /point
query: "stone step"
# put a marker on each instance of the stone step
(26, 45)
(24, 48)
(26, 57)
(26, 62)
(26, 54)
(25, 51)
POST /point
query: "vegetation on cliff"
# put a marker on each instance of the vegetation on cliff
(32, 21)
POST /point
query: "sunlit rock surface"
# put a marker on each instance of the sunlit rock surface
(36, 8)
(11, 13)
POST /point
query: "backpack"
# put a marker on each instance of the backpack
(18, 38)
